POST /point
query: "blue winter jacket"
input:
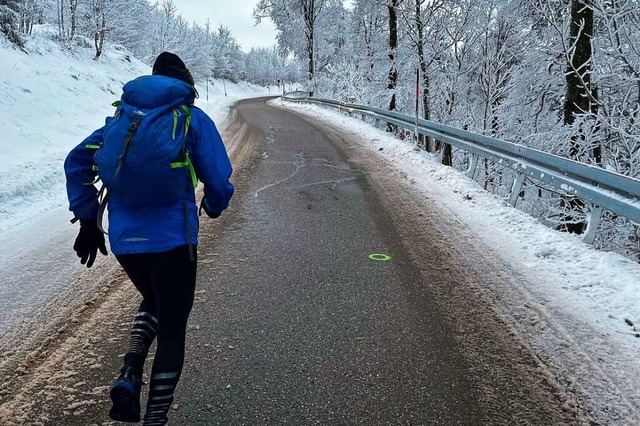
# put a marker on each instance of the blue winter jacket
(151, 226)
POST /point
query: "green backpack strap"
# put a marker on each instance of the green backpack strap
(187, 161)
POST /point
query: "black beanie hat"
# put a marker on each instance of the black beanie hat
(171, 65)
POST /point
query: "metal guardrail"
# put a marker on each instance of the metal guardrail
(297, 94)
(601, 189)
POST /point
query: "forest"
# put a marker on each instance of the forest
(562, 76)
(145, 28)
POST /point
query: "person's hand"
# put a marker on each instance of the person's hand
(90, 239)
(212, 214)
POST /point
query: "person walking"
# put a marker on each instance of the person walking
(150, 156)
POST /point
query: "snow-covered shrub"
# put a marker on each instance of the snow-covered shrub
(9, 25)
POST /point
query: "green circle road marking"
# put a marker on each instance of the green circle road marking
(379, 257)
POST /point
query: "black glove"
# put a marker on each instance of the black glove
(90, 239)
(207, 210)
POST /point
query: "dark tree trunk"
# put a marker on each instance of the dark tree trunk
(312, 65)
(447, 155)
(99, 41)
(393, 46)
(578, 98)
(597, 149)
(101, 27)
(61, 18)
(578, 76)
(426, 82)
(73, 6)
(447, 151)
(309, 19)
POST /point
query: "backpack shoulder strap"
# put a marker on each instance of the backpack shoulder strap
(102, 197)
(186, 161)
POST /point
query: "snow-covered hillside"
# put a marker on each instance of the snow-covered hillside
(51, 99)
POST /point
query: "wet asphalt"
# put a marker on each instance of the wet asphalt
(293, 322)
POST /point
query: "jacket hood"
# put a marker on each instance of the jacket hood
(155, 91)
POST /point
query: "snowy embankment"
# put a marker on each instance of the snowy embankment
(50, 100)
(591, 299)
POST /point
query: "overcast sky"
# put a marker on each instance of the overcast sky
(234, 14)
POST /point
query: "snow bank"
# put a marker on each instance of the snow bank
(50, 100)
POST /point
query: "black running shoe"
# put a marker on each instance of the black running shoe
(125, 395)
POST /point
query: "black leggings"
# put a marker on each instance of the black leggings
(167, 283)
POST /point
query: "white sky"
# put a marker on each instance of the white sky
(237, 15)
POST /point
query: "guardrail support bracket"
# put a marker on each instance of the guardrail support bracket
(594, 218)
(516, 189)
(473, 164)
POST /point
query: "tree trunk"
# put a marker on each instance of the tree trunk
(73, 5)
(99, 39)
(98, 42)
(447, 150)
(447, 155)
(578, 76)
(312, 65)
(578, 93)
(393, 46)
(101, 27)
(61, 18)
(309, 19)
(597, 149)
(426, 101)
(368, 37)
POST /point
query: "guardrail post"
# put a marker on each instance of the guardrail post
(473, 164)
(516, 188)
(593, 222)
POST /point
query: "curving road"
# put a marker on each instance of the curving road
(300, 327)
(295, 324)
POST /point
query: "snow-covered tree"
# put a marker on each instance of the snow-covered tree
(299, 22)
(9, 19)
(128, 24)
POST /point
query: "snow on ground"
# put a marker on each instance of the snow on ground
(587, 294)
(50, 100)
